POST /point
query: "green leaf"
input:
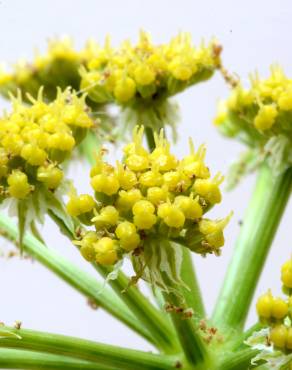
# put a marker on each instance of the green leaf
(60, 214)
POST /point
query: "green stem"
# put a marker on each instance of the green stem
(239, 360)
(77, 278)
(238, 343)
(259, 228)
(192, 295)
(109, 356)
(150, 138)
(19, 359)
(144, 311)
(190, 339)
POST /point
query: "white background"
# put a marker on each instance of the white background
(254, 35)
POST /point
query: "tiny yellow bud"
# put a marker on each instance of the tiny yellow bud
(144, 75)
(106, 251)
(33, 155)
(266, 117)
(279, 308)
(190, 207)
(143, 207)
(107, 184)
(127, 199)
(171, 215)
(125, 90)
(279, 335)
(264, 305)
(18, 184)
(286, 274)
(51, 176)
(157, 195)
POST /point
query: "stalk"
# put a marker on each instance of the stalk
(102, 354)
(18, 359)
(187, 331)
(77, 278)
(259, 228)
(192, 295)
(239, 360)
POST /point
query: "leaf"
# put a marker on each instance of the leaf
(56, 207)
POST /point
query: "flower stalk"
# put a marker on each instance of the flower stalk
(259, 228)
(102, 355)
(75, 277)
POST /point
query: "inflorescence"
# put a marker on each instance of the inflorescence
(36, 139)
(58, 67)
(261, 118)
(147, 200)
(276, 312)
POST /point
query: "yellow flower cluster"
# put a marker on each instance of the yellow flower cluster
(59, 66)
(275, 311)
(150, 195)
(262, 110)
(146, 71)
(35, 139)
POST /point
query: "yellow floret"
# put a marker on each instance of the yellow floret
(209, 189)
(171, 215)
(278, 336)
(125, 90)
(33, 155)
(266, 117)
(107, 184)
(51, 176)
(127, 199)
(87, 245)
(279, 309)
(18, 184)
(106, 251)
(78, 205)
(286, 274)
(150, 179)
(264, 305)
(143, 206)
(157, 195)
(190, 207)
(108, 216)
(144, 75)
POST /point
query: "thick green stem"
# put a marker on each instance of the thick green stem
(111, 357)
(187, 330)
(19, 359)
(74, 276)
(259, 228)
(239, 360)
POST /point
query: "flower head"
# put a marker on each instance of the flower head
(58, 67)
(35, 140)
(261, 117)
(275, 312)
(141, 77)
(150, 197)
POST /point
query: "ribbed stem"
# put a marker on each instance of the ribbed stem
(259, 228)
(239, 360)
(187, 331)
(192, 295)
(28, 360)
(109, 356)
(74, 276)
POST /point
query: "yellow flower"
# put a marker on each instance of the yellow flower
(142, 201)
